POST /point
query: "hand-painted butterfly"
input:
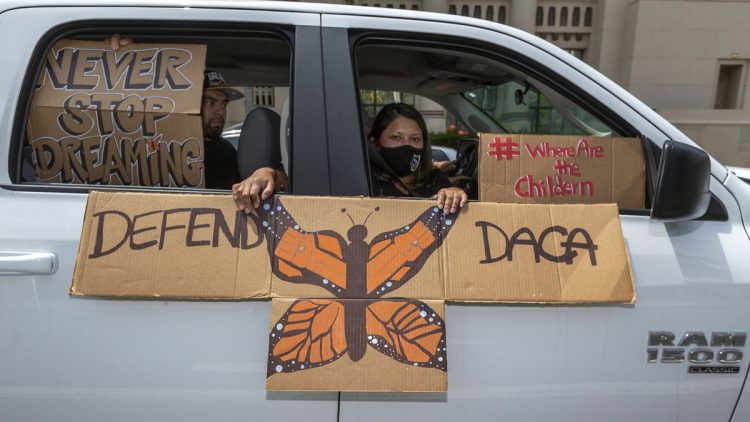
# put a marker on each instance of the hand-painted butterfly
(315, 332)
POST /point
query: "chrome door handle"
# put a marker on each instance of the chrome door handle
(12, 263)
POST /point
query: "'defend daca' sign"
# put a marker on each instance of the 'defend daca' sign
(129, 117)
(561, 169)
(358, 285)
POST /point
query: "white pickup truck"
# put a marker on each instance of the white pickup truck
(678, 354)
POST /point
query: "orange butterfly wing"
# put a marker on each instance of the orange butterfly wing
(397, 255)
(298, 256)
(309, 334)
(408, 331)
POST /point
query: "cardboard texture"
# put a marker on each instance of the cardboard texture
(558, 169)
(129, 117)
(355, 281)
(169, 246)
(394, 345)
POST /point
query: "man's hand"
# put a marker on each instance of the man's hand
(117, 41)
(259, 186)
(451, 199)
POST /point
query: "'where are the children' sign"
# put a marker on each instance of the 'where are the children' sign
(129, 117)
(548, 169)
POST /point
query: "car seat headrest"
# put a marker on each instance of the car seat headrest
(258, 144)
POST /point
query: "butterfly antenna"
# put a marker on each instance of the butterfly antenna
(347, 214)
(368, 215)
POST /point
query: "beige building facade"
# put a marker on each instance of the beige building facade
(687, 59)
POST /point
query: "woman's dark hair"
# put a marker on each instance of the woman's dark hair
(384, 118)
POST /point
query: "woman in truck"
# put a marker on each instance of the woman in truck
(401, 159)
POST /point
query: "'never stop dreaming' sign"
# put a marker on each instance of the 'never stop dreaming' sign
(129, 117)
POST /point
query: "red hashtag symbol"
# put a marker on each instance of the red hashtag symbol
(503, 150)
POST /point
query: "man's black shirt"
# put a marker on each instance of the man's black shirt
(220, 164)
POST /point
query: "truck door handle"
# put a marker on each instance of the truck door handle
(14, 263)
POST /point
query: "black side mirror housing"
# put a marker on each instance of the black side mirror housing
(682, 185)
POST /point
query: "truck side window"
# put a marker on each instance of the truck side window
(462, 93)
(164, 111)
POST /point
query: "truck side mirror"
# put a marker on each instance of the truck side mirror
(682, 185)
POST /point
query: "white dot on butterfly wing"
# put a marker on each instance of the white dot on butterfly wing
(389, 284)
(279, 326)
(279, 368)
(296, 227)
(374, 341)
(407, 227)
(422, 314)
(416, 364)
(440, 358)
(278, 207)
(434, 210)
(266, 207)
(448, 222)
(325, 281)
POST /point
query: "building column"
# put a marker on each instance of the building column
(523, 15)
(439, 6)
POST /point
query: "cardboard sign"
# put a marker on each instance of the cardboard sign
(394, 345)
(129, 117)
(358, 283)
(557, 169)
(169, 246)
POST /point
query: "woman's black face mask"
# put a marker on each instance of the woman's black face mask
(403, 160)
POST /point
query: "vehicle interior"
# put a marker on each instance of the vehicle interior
(481, 94)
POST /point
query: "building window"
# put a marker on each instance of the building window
(576, 16)
(478, 12)
(539, 16)
(402, 6)
(501, 14)
(490, 16)
(564, 16)
(464, 10)
(588, 17)
(263, 96)
(416, 7)
(389, 6)
(551, 17)
(729, 87)
(452, 9)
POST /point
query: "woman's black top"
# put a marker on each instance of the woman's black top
(384, 186)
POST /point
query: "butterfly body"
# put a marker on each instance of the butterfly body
(355, 255)
(315, 332)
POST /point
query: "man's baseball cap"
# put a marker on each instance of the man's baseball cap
(213, 80)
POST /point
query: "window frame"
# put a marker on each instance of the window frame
(285, 32)
(523, 64)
